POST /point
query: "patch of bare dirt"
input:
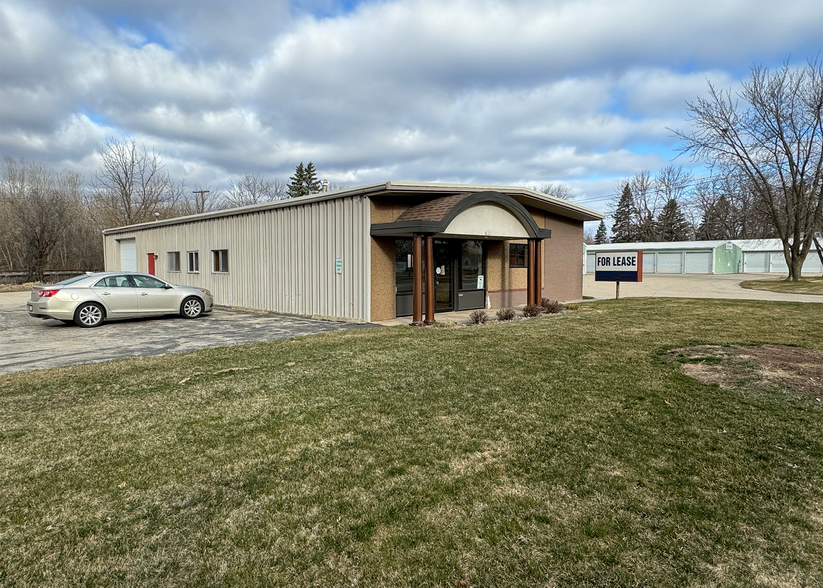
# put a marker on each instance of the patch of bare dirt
(754, 368)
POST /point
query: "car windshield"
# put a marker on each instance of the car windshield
(71, 280)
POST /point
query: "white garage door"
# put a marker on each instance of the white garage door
(590, 263)
(812, 263)
(779, 263)
(755, 262)
(698, 262)
(649, 266)
(810, 267)
(128, 255)
(669, 263)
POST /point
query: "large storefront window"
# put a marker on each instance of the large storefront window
(460, 280)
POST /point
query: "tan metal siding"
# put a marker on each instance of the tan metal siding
(281, 259)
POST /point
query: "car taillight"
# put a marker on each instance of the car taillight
(47, 293)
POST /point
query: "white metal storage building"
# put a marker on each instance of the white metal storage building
(710, 257)
(766, 256)
(677, 257)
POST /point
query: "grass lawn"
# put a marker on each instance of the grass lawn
(560, 451)
(804, 286)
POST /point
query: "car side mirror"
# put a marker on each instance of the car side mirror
(168, 287)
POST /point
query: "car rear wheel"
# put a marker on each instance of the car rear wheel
(89, 315)
(191, 308)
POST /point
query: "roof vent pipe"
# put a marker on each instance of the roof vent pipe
(325, 184)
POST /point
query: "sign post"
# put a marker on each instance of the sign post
(618, 266)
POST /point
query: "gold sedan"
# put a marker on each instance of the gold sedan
(90, 299)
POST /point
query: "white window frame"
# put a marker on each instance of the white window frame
(195, 255)
(220, 261)
(173, 261)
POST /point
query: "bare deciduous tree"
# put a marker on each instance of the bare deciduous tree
(726, 208)
(771, 132)
(132, 184)
(38, 203)
(254, 189)
(556, 189)
(196, 201)
(647, 204)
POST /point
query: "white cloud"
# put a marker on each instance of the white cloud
(471, 90)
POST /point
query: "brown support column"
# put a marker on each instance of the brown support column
(417, 285)
(538, 274)
(429, 280)
(530, 272)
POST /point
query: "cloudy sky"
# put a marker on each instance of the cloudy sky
(479, 91)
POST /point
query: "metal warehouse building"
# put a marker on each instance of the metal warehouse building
(766, 256)
(678, 257)
(709, 257)
(370, 253)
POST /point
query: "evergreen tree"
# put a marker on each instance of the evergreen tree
(623, 228)
(671, 223)
(304, 181)
(310, 181)
(298, 180)
(601, 236)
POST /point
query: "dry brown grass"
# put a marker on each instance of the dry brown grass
(809, 285)
(19, 287)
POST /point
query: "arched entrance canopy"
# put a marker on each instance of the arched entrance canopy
(482, 214)
(435, 216)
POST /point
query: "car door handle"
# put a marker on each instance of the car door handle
(106, 293)
(144, 294)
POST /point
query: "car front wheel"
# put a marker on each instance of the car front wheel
(88, 315)
(191, 308)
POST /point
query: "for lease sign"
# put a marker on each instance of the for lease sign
(618, 266)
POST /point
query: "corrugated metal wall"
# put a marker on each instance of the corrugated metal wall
(282, 259)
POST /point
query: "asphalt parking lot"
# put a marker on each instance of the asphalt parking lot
(28, 343)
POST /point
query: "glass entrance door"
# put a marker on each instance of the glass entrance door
(443, 276)
(472, 287)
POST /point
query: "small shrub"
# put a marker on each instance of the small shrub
(551, 306)
(478, 317)
(532, 310)
(506, 314)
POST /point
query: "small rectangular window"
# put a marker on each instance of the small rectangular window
(221, 260)
(518, 255)
(194, 262)
(174, 261)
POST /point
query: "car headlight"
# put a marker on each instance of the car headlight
(206, 292)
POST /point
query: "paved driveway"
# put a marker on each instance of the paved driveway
(725, 286)
(28, 343)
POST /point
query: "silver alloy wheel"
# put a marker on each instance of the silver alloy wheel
(192, 308)
(89, 315)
